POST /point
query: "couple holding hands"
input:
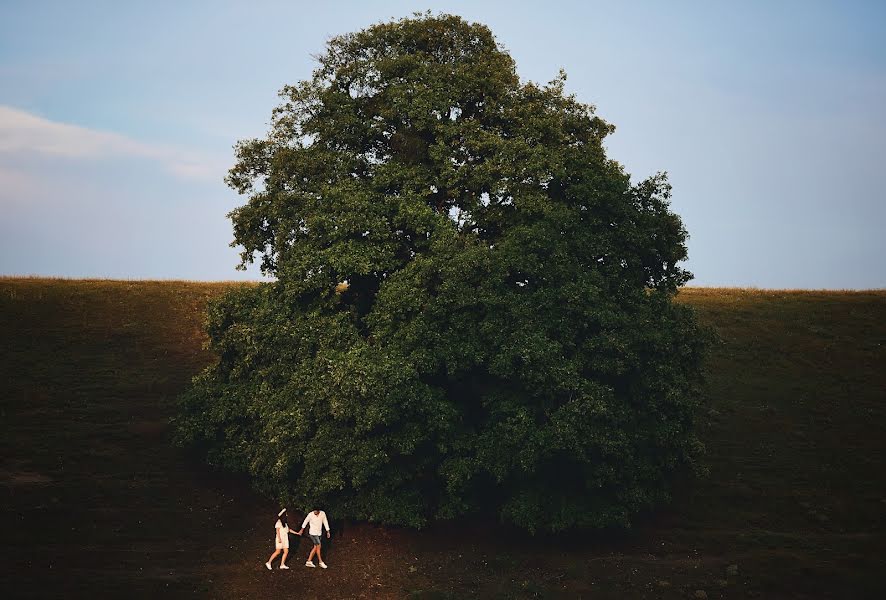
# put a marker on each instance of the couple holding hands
(315, 522)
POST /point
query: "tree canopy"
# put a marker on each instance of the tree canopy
(473, 306)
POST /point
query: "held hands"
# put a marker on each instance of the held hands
(300, 531)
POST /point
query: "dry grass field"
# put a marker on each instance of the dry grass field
(97, 503)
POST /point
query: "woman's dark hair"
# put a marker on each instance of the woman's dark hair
(282, 518)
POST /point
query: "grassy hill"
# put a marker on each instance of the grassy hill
(96, 502)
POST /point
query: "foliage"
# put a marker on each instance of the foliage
(473, 305)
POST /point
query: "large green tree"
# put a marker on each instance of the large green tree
(473, 305)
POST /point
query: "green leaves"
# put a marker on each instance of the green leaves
(506, 341)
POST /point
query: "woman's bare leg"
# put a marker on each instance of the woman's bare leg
(274, 555)
(285, 554)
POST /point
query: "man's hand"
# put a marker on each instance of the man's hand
(327, 535)
(299, 532)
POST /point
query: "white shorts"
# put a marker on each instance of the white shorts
(281, 545)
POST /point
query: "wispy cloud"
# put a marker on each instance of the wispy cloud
(22, 132)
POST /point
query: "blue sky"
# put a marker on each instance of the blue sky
(117, 121)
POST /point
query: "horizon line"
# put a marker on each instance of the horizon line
(186, 280)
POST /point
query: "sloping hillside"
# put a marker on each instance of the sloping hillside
(95, 501)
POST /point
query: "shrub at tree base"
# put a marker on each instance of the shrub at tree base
(473, 306)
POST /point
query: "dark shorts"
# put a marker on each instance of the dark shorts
(315, 539)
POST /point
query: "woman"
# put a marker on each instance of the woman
(281, 541)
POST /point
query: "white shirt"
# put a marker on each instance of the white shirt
(284, 529)
(317, 522)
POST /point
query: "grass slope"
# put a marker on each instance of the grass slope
(96, 502)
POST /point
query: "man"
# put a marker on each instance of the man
(317, 521)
